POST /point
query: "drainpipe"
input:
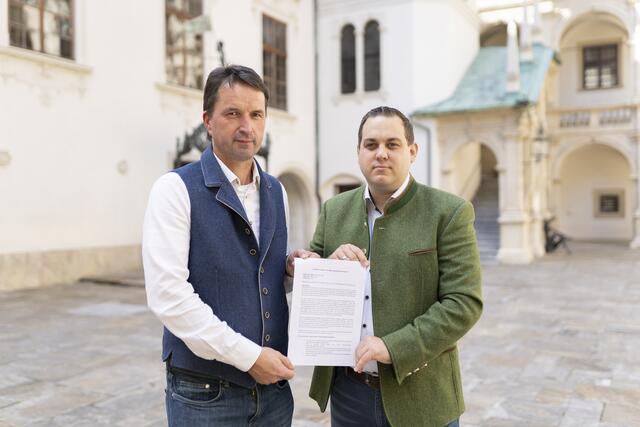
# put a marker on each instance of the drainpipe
(428, 148)
(316, 103)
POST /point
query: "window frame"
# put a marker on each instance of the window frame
(344, 88)
(275, 78)
(598, 194)
(375, 85)
(183, 16)
(41, 7)
(600, 64)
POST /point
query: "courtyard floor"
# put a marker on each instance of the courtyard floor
(558, 345)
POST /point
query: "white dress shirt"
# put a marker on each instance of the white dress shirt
(367, 314)
(165, 255)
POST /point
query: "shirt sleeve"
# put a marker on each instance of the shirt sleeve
(165, 255)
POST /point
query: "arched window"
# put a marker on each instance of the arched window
(348, 59)
(372, 56)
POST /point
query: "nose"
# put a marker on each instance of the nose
(381, 152)
(245, 124)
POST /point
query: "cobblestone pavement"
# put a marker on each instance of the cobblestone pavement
(558, 345)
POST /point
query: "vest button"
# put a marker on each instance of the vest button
(247, 231)
(267, 337)
(265, 291)
(267, 315)
(262, 270)
(253, 251)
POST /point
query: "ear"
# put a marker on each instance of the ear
(413, 150)
(206, 120)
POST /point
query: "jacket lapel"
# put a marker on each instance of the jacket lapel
(267, 213)
(215, 177)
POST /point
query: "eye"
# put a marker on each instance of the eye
(232, 114)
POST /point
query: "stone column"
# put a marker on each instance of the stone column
(635, 243)
(515, 239)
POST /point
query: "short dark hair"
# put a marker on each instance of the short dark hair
(231, 74)
(388, 112)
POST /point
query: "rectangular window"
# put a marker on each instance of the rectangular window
(600, 66)
(184, 60)
(274, 60)
(341, 188)
(42, 25)
(609, 203)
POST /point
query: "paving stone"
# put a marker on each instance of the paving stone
(557, 345)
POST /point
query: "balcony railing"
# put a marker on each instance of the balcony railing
(594, 118)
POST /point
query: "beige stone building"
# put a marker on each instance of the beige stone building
(544, 125)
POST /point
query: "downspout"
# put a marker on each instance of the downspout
(316, 103)
(428, 148)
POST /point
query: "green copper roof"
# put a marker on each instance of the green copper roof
(483, 85)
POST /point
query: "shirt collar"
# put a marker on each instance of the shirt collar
(398, 192)
(233, 178)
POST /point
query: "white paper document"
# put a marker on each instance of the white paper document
(326, 312)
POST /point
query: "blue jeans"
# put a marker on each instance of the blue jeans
(355, 404)
(193, 402)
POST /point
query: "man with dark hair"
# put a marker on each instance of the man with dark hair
(214, 253)
(422, 292)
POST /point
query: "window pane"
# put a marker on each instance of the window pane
(372, 57)
(591, 78)
(61, 7)
(24, 25)
(591, 54)
(348, 59)
(609, 203)
(600, 64)
(184, 59)
(274, 60)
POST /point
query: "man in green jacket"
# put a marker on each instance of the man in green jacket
(422, 292)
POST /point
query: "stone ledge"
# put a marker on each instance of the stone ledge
(41, 269)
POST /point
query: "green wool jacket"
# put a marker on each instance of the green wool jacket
(425, 281)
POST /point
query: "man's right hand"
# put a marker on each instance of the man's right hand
(350, 252)
(271, 367)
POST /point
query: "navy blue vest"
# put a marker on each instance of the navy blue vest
(240, 279)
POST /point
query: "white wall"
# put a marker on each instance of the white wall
(69, 125)
(583, 171)
(416, 69)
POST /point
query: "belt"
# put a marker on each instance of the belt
(372, 381)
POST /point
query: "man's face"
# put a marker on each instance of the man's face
(384, 154)
(236, 123)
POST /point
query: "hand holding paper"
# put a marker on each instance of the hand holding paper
(326, 312)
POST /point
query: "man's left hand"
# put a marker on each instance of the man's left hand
(371, 348)
(298, 253)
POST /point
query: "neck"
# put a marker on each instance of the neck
(380, 199)
(243, 170)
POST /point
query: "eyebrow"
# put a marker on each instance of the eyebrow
(386, 140)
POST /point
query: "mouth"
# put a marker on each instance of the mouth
(244, 141)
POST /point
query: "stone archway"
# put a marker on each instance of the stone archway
(584, 10)
(472, 172)
(593, 192)
(301, 210)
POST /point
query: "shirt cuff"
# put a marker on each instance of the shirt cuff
(245, 354)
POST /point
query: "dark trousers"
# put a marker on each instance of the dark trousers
(193, 401)
(355, 404)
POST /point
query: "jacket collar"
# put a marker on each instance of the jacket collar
(214, 176)
(394, 204)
